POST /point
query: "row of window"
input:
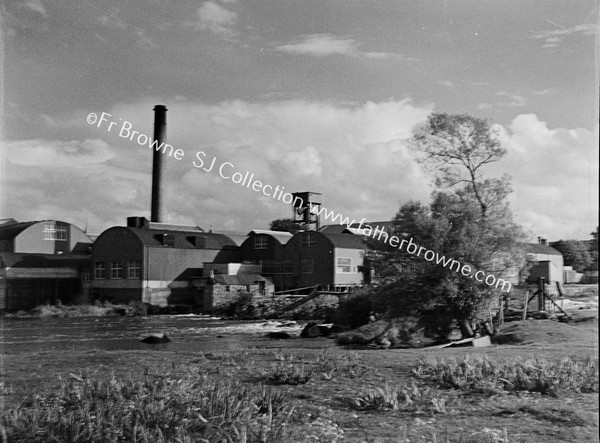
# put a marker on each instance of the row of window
(284, 266)
(262, 241)
(52, 231)
(117, 269)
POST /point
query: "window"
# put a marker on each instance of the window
(308, 240)
(133, 270)
(282, 266)
(116, 269)
(52, 231)
(227, 288)
(260, 242)
(86, 275)
(344, 265)
(307, 265)
(100, 270)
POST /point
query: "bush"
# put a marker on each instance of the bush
(355, 310)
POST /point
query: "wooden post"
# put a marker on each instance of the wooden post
(541, 294)
(501, 314)
(526, 303)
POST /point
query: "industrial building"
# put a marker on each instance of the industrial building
(154, 262)
(43, 262)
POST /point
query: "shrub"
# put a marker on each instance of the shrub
(289, 374)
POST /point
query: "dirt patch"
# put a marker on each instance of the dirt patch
(547, 331)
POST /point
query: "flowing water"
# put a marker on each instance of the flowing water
(188, 333)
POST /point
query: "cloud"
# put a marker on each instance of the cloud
(552, 39)
(322, 45)
(354, 154)
(112, 22)
(507, 100)
(36, 6)
(555, 176)
(216, 19)
(446, 84)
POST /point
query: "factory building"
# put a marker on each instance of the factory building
(308, 258)
(42, 262)
(154, 262)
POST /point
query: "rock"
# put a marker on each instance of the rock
(156, 338)
(539, 315)
(384, 343)
(278, 335)
(336, 329)
(324, 330)
(311, 330)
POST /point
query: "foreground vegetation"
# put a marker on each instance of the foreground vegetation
(278, 396)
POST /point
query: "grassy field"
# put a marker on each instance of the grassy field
(545, 388)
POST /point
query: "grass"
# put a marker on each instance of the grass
(365, 395)
(479, 373)
(86, 408)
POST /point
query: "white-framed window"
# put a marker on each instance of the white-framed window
(133, 269)
(344, 265)
(116, 269)
(261, 242)
(52, 231)
(308, 240)
(100, 270)
(307, 265)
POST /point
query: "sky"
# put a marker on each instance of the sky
(307, 95)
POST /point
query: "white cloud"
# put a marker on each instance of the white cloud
(446, 83)
(506, 100)
(322, 45)
(217, 19)
(555, 176)
(552, 39)
(36, 6)
(354, 154)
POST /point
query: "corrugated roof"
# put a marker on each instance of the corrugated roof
(241, 279)
(173, 227)
(536, 248)
(237, 237)
(23, 260)
(10, 231)
(388, 226)
(281, 236)
(181, 239)
(346, 241)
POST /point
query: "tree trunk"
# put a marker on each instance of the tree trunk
(465, 329)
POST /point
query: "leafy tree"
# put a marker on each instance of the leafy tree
(468, 221)
(575, 254)
(284, 224)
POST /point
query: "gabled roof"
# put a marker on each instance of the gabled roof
(181, 239)
(346, 241)
(536, 248)
(281, 236)
(356, 227)
(173, 227)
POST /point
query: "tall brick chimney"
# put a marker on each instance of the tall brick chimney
(157, 213)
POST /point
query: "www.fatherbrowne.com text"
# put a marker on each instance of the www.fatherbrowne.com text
(411, 247)
(226, 171)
